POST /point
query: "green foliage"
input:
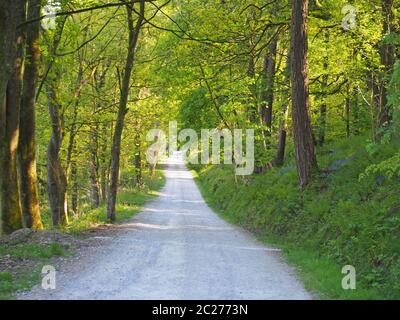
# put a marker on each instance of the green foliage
(197, 111)
(389, 167)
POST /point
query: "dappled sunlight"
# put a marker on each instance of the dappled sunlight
(172, 212)
(163, 194)
(190, 201)
(180, 210)
(139, 225)
(210, 246)
(174, 174)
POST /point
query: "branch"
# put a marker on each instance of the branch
(213, 97)
(89, 40)
(72, 12)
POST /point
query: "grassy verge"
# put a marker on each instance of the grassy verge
(25, 265)
(130, 201)
(339, 220)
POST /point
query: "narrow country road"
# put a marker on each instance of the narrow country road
(177, 248)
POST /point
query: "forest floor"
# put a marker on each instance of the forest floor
(176, 248)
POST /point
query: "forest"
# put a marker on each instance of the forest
(83, 81)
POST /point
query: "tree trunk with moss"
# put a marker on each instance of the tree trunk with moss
(27, 138)
(12, 13)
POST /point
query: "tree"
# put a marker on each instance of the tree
(322, 111)
(122, 110)
(282, 137)
(302, 134)
(12, 13)
(268, 92)
(27, 136)
(56, 177)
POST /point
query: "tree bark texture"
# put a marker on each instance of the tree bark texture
(302, 132)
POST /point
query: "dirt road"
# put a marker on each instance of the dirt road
(177, 248)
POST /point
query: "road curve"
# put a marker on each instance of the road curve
(177, 248)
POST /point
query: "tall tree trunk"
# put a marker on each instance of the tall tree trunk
(347, 111)
(11, 55)
(73, 130)
(138, 162)
(56, 178)
(251, 74)
(280, 155)
(387, 61)
(356, 112)
(71, 165)
(325, 77)
(8, 23)
(267, 96)
(104, 164)
(27, 138)
(94, 168)
(302, 133)
(97, 168)
(322, 123)
(75, 188)
(375, 101)
(119, 126)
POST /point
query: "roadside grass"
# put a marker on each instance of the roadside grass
(11, 283)
(32, 251)
(339, 220)
(130, 201)
(28, 259)
(25, 276)
(320, 275)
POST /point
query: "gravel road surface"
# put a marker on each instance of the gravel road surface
(176, 248)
